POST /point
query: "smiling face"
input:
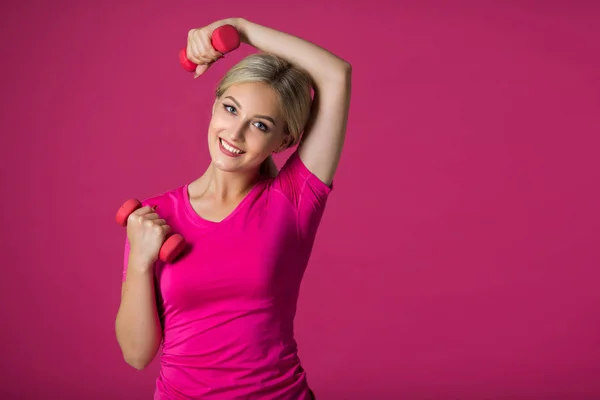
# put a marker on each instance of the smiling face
(246, 127)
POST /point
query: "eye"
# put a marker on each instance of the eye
(230, 109)
(262, 126)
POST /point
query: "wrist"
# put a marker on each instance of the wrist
(237, 23)
(240, 24)
(139, 264)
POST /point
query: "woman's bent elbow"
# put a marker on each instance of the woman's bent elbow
(137, 362)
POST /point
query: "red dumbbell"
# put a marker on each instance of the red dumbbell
(170, 249)
(224, 39)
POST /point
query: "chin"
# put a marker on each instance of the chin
(224, 163)
(228, 163)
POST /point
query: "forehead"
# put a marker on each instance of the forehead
(255, 98)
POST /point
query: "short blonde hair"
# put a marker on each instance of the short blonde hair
(292, 86)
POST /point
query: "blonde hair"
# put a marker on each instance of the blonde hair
(291, 85)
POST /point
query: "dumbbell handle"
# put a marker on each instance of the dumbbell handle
(170, 249)
(224, 39)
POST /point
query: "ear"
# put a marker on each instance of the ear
(214, 105)
(284, 143)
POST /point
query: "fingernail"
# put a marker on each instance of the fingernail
(196, 75)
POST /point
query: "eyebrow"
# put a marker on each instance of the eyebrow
(257, 116)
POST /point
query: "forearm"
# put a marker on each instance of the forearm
(138, 327)
(320, 64)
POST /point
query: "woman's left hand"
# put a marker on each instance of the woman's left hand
(199, 48)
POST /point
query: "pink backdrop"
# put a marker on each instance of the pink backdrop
(458, 257)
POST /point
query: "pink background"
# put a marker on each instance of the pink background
(458, 257)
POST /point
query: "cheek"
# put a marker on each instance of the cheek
(257, 143)
(217, 124)
(216, 120)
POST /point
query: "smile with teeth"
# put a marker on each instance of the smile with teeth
(230, 148)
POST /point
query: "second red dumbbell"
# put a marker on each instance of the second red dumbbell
(170, 249)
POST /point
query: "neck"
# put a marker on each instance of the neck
(226, 186)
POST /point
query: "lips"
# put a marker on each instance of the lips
(229, 149)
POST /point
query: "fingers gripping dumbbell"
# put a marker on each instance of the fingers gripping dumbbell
(173, 245)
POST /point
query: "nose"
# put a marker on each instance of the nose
(237, 132)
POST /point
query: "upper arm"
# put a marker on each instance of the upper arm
(324, 135)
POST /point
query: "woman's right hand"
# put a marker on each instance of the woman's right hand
(146, 233)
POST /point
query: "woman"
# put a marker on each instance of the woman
(224, 310)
